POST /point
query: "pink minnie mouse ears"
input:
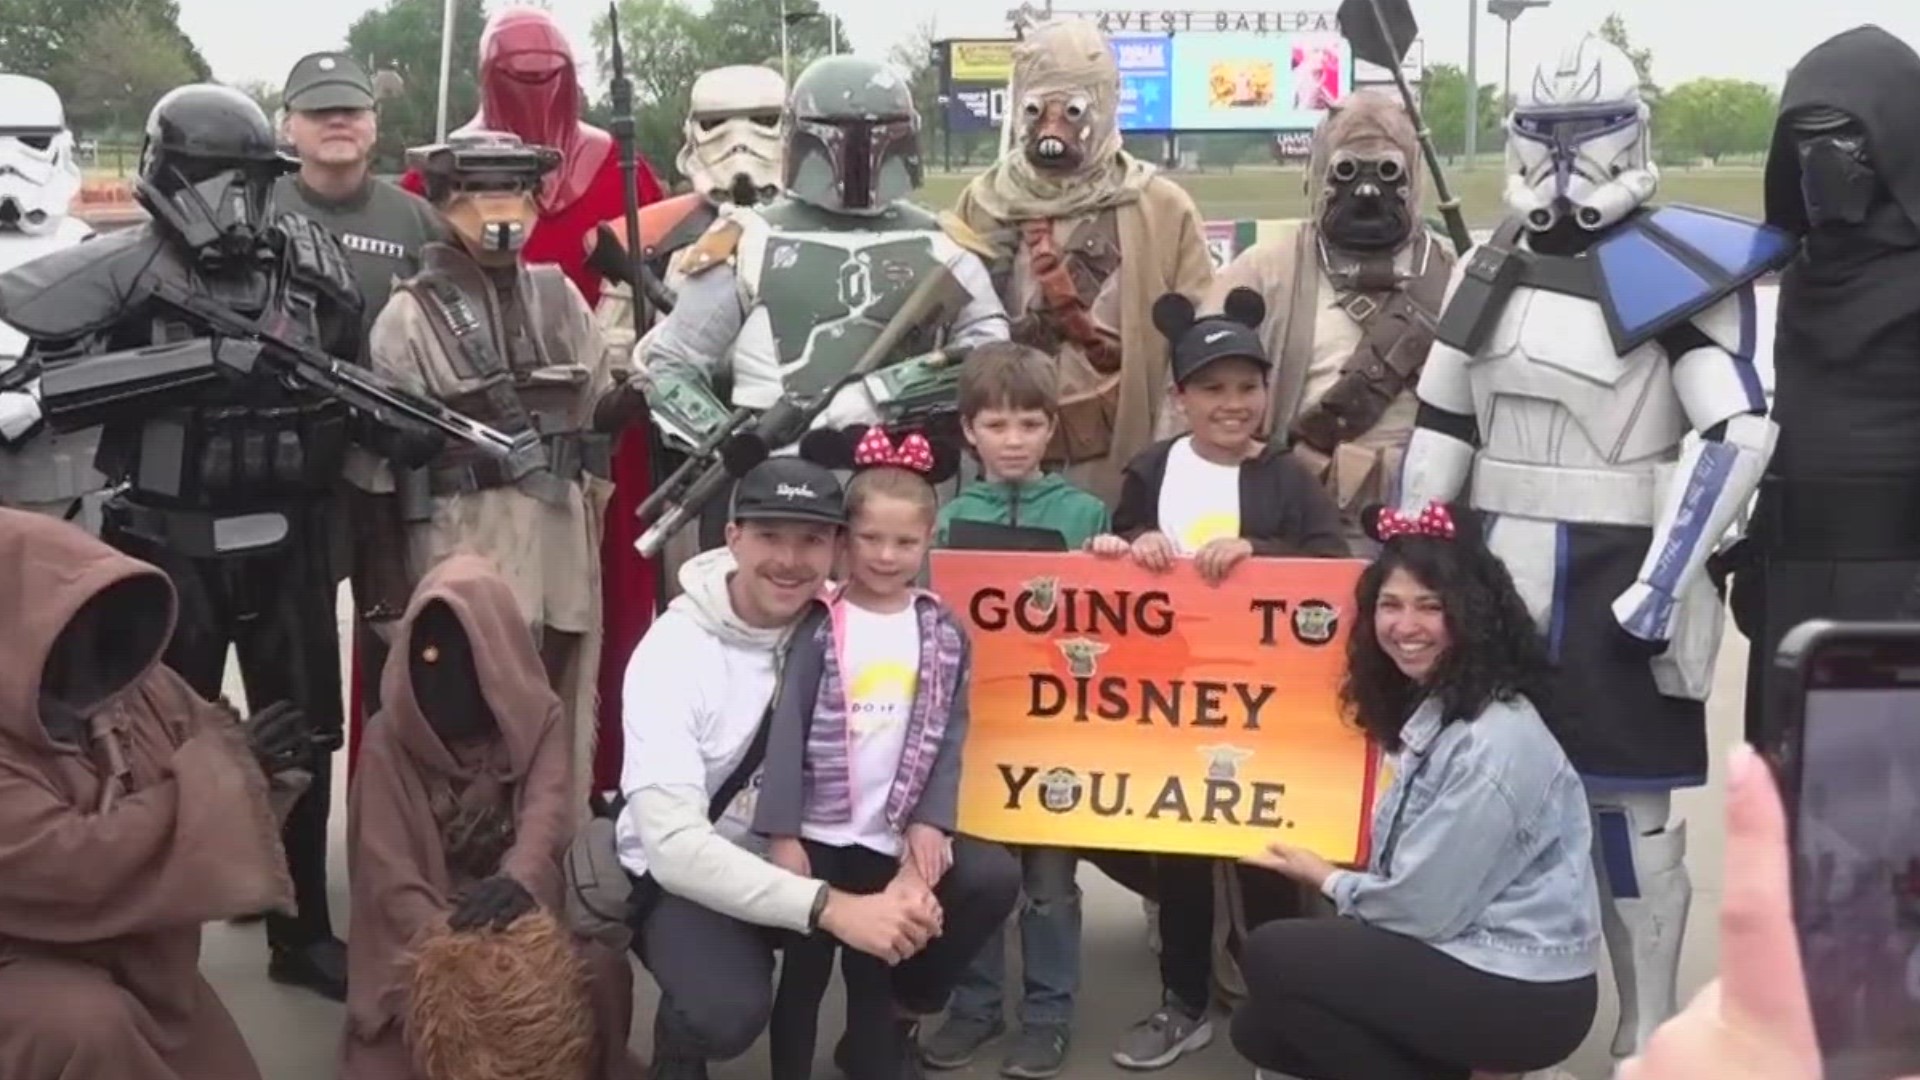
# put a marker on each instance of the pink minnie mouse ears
(1435, 521)
(914, 453)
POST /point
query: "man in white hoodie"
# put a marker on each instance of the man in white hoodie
(709, 910)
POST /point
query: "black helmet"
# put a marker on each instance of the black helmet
(207, 169)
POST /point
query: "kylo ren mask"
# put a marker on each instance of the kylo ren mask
(446, 684)
(1837, 175)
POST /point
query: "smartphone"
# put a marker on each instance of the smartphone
(1849, 764)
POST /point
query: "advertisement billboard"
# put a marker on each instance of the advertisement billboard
(1258, 82)
(976, 84)
(1146, 81)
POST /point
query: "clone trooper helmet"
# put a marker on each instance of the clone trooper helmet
(733, 134)
(1578, 142)
(38, 173)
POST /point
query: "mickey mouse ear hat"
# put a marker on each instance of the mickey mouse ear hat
(1198, 342)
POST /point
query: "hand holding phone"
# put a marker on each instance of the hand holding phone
(1849, 764)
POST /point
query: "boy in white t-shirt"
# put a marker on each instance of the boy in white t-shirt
(1217, 495)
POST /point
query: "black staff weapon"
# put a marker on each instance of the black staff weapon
(623, 134)
(1381, 33)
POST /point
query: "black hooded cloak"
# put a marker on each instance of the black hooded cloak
(1836, 532)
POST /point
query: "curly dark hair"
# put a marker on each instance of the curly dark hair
(1496, 650)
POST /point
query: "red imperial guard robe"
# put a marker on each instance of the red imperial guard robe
(530, 86)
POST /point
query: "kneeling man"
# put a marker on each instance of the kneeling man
(709, 909)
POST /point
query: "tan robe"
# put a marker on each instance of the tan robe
(397, 854)
(1163, 243)
(1163, 248)
(101, 908)
(549, 555)
(1310, 347)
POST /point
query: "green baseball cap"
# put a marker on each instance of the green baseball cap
(327, 80)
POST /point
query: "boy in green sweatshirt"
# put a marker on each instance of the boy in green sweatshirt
(1009, 407)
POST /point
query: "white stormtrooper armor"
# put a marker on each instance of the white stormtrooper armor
(733, 132)
(39, 178)
(1594, 389)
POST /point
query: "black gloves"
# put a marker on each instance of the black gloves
(497, 900)
(280, 738)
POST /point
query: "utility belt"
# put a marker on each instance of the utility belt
(569, 457)
(218, 455)
(1840, 519)
(204, 534)
(1591, 496)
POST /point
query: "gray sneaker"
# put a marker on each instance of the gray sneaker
(1039, 1052)
(961, 1037)
(1160, 1039)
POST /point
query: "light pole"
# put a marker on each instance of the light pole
(788, 18)
(1473, 82)
(1511, 10)
(446, 69)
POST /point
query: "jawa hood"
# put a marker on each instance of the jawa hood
(1367, 124)
(1871, 76)
(102, 617)
(512, 680)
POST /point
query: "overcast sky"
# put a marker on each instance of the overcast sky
(1752, 39)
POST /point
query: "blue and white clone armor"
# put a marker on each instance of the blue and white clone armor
(1593, 391)
(39, 470)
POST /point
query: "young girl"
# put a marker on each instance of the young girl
(862, 781)
(1217, 495)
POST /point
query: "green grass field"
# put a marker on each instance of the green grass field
(1274, 192)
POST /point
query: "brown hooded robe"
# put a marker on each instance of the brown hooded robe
(403, 886)
(1311, 339)
(105, 882)
(1117, 218)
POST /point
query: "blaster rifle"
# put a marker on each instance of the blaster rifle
(706, 473)
(248, 343)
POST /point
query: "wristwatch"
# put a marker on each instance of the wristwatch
(819, 907)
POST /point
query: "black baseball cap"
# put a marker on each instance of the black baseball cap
(790, 489)
(1197, 341)
(1215, 339)
(327, 80)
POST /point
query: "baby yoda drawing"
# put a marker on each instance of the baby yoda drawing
(1223, 762)
(1083, 655)
(1045, 592)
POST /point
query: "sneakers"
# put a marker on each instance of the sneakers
(1039, 1053)
(1161, 1039)
(958, 1040)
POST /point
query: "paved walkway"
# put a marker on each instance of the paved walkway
(295, 1034)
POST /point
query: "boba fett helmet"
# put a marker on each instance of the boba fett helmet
(853, 136)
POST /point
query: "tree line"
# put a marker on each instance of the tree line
(1704, 119)
(111, 61)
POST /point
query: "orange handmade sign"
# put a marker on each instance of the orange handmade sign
(1117, 708)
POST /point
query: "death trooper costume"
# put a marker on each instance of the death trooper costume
(225, 481)
(39, 470)
(1593, 389)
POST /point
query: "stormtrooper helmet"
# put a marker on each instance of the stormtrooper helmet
(1578, 141)
(39, 175)
(733, 134)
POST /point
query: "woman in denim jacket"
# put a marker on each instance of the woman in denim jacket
(1468, 945)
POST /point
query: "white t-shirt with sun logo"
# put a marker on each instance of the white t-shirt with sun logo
(881, 675)
(1199, 501)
